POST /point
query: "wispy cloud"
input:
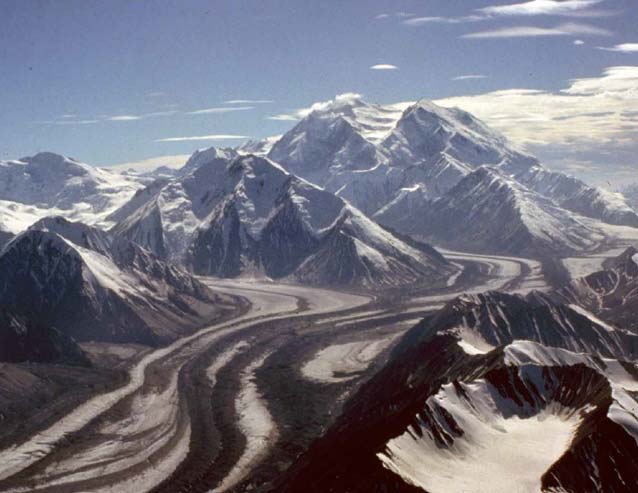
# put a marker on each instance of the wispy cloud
(566, 29)
(203, 137)
(598, 111)
(67, 122)
(285, 117)
(384, 66)
(249, 101)
(470, 77)
(400, 15)
(622, 48)
(124, 118)
(419, 21)
(541, 7)
(565, 8)
(579, 42)
(220, 109)
(73, 119)
(156, 94)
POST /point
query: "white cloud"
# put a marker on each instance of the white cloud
(399, 15)
(384, 66)
(419, 21)
(284, 117)
(203, 137)
(145, 165)
(579, 42)
(570, 8)
(470, 77)
(567, 29)
(67, 122)
(68, 115)
(591, 112)
(622, 48)
(124, 118)
(298, 114)
(223, 109)
(160, 113)
(541, 7)
(249, 101)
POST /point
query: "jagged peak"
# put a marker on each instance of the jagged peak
(39, 237)
(205, 156)
(258, 165)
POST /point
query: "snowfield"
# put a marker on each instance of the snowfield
(496, 454)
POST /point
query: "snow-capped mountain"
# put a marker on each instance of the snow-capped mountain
(490, 211)
(205, 156)
(374, 156)
(47, 183)
(249, 216)
(574, 195)
(495, 393)
(94, 286)
(258, 147)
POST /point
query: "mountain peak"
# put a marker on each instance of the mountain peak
(204, 156)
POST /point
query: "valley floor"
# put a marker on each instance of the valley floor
(231, 406)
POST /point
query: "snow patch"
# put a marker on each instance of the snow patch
(343, 362)
(495, 454)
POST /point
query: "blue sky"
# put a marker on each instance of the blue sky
(109, 82)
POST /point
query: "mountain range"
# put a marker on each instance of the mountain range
(245, 215)
(352, 195)
(372, 155)
(491, 384)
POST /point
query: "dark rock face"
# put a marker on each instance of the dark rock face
(43, 279)
(217, 250)
(91, 285)
(5, 237)
(285, 242)
(23, 340)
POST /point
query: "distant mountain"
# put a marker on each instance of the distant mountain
(495, 393)
(94, 286)
(48, 183)
(258, 147)
(574, 195)
(247, 216)
(375, 156)
(205, 156)
(490, 211)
